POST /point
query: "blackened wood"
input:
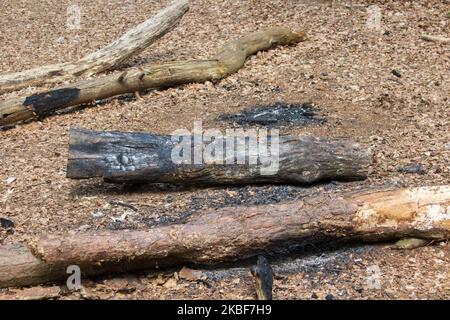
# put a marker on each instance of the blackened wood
(263, 275)
(135, 157)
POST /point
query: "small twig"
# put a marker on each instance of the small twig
(124, 204)
(428, 37)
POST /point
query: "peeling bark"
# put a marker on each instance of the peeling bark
(229, 234)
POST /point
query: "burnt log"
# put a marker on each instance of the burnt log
(135, 157)
(230, 234)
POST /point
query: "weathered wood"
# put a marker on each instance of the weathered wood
(229, 60)
(229, 234)
(135, 157)
(108, 58)
(433, 38)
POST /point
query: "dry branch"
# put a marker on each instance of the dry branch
(228, 234)
(135, 157)
(429, 37)
(229, 60)
(108, 58)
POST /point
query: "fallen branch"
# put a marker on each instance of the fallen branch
(228, 234)
(428, 37)
(229, 60)
(108, 58)
(144, 157)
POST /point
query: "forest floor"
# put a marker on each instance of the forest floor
(379, 84)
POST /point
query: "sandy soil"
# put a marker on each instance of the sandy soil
(345, 69)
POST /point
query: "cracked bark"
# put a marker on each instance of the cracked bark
(230, 234)
(135, 157)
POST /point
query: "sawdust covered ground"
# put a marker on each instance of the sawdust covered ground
(345, 69)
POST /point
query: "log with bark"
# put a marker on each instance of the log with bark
(227, 61)
(108, 58)
(135, 157)
(229, 234)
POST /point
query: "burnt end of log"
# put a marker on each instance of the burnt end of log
(44, 104)
(263, 275)
(115, 155)
(135, 157)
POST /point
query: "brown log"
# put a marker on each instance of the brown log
(229, 60)
(135, 157)
(229, 234)
(108, 58)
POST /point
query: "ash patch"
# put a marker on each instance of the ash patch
(278, 114)
(330, 259)
(124, 211)
(228, 197)
(259, 195)
(247, 196)
(321, 260)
